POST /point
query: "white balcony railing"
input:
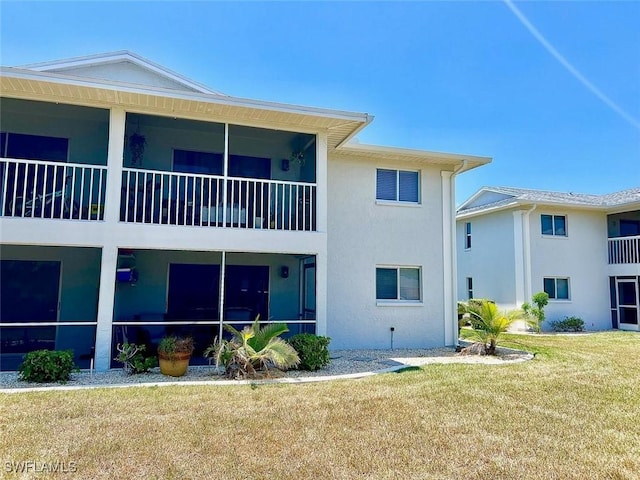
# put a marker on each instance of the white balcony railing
(41, 189)
(623, 250)
(171, 198)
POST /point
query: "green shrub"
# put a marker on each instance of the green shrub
(132, 356)
(47, 366)
(312, 349)
(569, 324)
(536, 314)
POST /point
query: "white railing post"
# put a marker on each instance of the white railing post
(624, 250)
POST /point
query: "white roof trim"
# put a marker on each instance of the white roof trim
(115, 57)
(367, 149)
(17, 73)
(527, 202)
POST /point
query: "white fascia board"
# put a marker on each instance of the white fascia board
(623, 207)
(540, 204)
(16, 73)
(398, 152)
(115, 57)
(484, 211)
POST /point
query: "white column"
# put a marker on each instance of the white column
(114, 165)
(106, 299)
(223, 270)
(518, 247)
(322, 182)
(109, 261)
(449, 283)
(321, 293)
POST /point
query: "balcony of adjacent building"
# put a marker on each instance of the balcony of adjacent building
(174, 171)
(624, 238)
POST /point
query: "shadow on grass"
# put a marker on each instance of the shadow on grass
(408, 369)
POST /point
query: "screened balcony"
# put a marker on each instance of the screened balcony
(53, 160)
(197, 293)
(179, 172)
(624, 238)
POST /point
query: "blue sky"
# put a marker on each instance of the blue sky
(462, 77)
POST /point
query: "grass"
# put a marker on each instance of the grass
(572, 412)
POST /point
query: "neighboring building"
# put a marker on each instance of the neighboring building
(135, 202)
(583, 250)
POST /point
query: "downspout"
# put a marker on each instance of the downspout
(449, 254)
(526, 239)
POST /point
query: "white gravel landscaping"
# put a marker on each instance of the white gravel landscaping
(344, 364)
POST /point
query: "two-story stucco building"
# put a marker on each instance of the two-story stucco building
(583, 250)
(135, 202)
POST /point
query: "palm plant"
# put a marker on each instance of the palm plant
(490, 323)
(254, 348)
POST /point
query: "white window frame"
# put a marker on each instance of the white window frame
(469, 288)
(553, 226)
(397, 301)
(397, 201)
(555, 282)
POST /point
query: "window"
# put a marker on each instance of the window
(554, 225)
(395, 283)
(187, 161)
(33, 147)
(557, 288)
(397, 186)
(469, 288)
(467, 238)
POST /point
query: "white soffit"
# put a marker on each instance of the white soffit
(53, 87)
(365, 151)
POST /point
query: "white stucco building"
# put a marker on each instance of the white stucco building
(135, 202)
(583, 250)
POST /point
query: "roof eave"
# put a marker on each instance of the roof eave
(414, 155)
(350, 122)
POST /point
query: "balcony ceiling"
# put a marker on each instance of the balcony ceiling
(25, 84)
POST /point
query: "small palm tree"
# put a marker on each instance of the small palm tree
(252, 349)
(490, 323)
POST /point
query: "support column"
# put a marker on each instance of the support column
(106, 300)
(449, 283)
(109, 262)
(115, 158)
(321, 207)
(223, 270)
(321, 293)
(321, 182)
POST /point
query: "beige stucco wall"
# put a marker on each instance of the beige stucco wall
(363, 234)
(490, 261)
(582, 257)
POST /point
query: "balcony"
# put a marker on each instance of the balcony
(170, 198)
(624, 250)
(52, 190)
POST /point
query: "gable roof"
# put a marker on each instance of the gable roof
(81, 81)
(130, 81)
(93, 66)
(489, 199)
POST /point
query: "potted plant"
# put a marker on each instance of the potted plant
(173, 355)
(137, 142)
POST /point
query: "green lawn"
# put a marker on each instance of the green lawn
(572, 412)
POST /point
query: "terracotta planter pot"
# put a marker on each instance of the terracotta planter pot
(174, 365)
